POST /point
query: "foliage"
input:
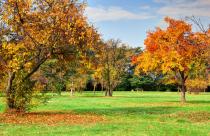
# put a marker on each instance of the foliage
(197, 85)
(114, 63)
(176, 51)
(35, 31)
(23, 92)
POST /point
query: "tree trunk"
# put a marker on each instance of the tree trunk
(183, 99)
(108, 92)
(102, 87)
(94, 88)
(10, 91)
(183, 92)
(72, 92)
(183, 89)
(72, 89)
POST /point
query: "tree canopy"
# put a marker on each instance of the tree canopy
(33, 31)
(176, 51)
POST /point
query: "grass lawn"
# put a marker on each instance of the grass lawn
(125, 114)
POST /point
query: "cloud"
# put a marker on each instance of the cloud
(145, 7)
(184, 7)
(98, 14)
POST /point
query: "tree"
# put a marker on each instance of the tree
(34, 31)
(176, 51)
(115, 58)
(76, 76)
(139, 82)
(97, 67)
(52, 72)
(97, 78)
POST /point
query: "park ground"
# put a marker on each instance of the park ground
(124, 114)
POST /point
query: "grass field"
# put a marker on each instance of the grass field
(125, 114)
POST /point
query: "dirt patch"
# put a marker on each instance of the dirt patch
(49, 118)
(191, 116)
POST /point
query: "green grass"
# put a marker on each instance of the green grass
(126, 114)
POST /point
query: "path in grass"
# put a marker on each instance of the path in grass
(125, 114)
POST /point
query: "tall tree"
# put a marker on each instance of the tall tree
(33, 31)
(176, 51)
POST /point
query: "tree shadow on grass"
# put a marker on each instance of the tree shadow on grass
(129, 110)
(194, 102)
(199, 102)
(124, 97)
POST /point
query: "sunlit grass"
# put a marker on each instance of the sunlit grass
(126, 114)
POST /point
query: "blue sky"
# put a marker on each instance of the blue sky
(129, 20)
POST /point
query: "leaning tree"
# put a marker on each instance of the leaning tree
(34, 31)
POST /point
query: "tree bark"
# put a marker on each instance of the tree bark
(10, 91)
(183, 92)
(183, 87)
(108, 93)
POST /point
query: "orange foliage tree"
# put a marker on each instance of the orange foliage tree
(176, 51)
(34, 31)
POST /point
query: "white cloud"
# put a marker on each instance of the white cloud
(145, 7)
(98, 14)
(199, 8)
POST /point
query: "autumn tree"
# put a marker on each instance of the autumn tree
(176, 51)
(97, 78)
(97, 67)
(115, 58)
(34, 31)
(77, 75)
(52, 73)
(199, 80)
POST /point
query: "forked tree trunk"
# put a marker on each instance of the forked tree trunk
(108, 92)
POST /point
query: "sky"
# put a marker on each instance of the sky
(129, 20)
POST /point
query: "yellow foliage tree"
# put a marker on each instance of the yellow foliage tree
(34, 31)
